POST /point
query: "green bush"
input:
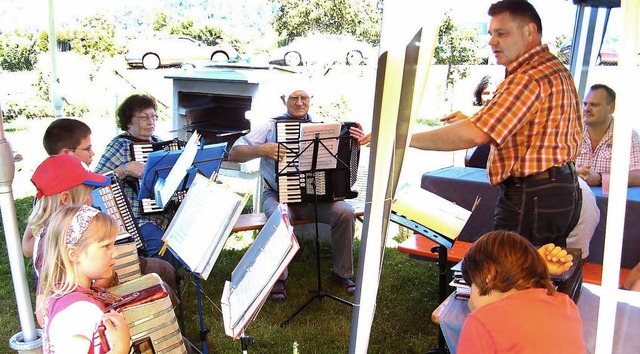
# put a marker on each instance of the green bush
(35, 108)
(18, 51)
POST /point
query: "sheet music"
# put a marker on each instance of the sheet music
(260, 272)
(198, 229)
(430, 210)
(257, 272)
(164, 189)
(325, 159)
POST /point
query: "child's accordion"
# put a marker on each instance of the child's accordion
(146, 306)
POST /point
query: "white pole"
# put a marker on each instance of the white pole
(12, 237)
(625, 114)
(54, 89)
(393, 41)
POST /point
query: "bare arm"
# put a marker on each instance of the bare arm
(244, 153)
(28, 240)
(456, 136)
(634, 178)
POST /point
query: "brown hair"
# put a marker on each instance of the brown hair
(130, 106)
(520, 9)
(64, 133)
(508, 260)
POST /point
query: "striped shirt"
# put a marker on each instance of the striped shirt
(116, 154)
(599, 158)
(534, 117)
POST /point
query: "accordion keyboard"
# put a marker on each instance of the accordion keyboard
(295, 186)
(117, 206)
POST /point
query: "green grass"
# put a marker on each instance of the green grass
(407, 295)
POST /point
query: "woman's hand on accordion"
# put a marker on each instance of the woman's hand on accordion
(135, 169)
(117, 332)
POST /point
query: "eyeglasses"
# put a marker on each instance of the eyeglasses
(87, 149)
(146, 118)
(296, 98)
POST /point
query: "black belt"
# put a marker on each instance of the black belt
(548, 174)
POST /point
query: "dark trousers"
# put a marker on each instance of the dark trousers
(542, 210)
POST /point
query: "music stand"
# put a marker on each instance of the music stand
(159, 164)
(319, 293)
(428, 226)
(207, 162)
(256, 273)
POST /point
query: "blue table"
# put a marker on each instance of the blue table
(463, 184)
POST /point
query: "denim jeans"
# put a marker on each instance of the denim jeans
(542, 211)
(152, 236)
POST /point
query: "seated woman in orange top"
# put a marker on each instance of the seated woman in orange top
(514, 305)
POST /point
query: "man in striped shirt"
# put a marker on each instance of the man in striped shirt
(595, 159)
(533, 125)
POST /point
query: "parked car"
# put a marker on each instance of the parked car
(323, 49)
(174, 50)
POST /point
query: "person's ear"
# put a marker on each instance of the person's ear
(65, 198)
(73, 253)
(284, 100)
(530, 29)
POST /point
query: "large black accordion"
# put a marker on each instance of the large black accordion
(331, 184)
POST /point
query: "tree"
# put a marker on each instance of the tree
(18, 51)
(207, 34)
(161, 22)
(96, 39)
(354, 17)
(455, 48)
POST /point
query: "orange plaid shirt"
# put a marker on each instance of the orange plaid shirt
(534, 117)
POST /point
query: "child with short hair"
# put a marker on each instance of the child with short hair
(514, 305)
(71, 137)
(79, 250)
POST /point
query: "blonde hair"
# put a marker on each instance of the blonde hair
(47, 205)
(58, 275)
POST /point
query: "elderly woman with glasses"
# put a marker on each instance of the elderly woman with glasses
(137, 118)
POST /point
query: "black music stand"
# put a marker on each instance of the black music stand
(319, 292)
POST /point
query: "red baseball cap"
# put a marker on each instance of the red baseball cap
(62, 172)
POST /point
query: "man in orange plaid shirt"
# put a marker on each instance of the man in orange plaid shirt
(534, 127)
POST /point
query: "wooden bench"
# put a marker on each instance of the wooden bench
(256, 221)
(419, 247)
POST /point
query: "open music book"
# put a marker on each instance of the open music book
(257, 272)
(328, 133)
(165, 187)
(202, 224)
(428, 214)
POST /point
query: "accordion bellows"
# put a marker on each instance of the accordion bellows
(152, 323)
(127, 264)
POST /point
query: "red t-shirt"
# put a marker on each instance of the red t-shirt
(528, 321)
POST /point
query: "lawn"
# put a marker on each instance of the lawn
(408, 294)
